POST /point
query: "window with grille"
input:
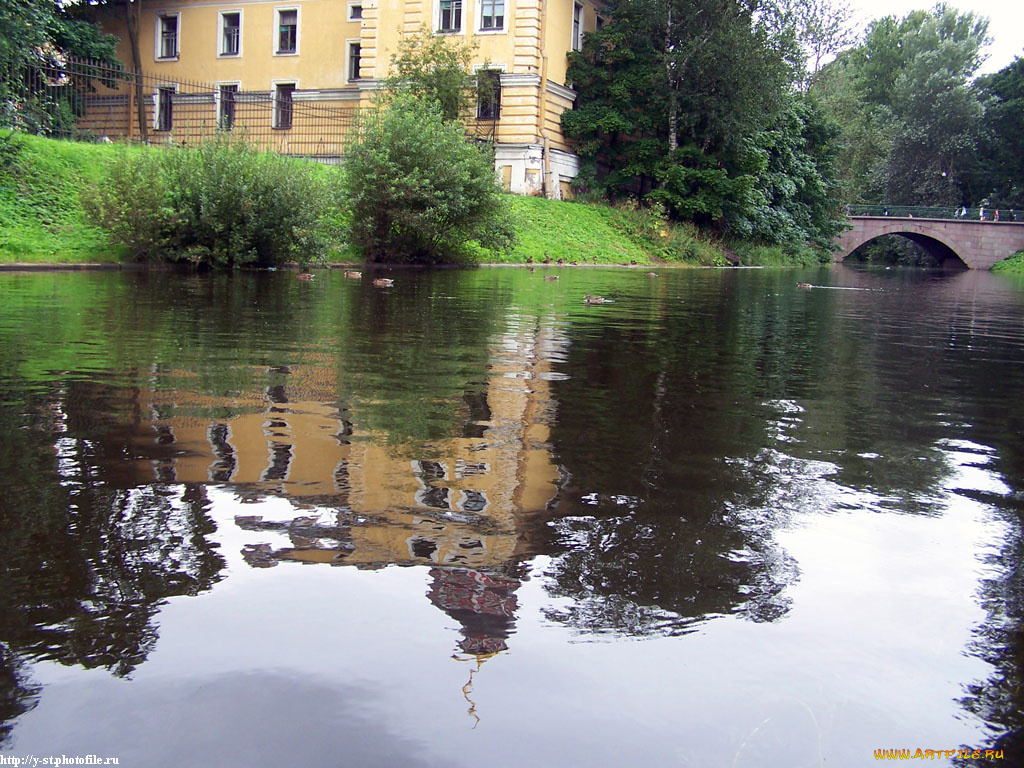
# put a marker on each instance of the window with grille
(164, 109)
(288, 31)
(488, 94)
(492, 14)
(451, 16)
(231, 34)
(283, 93)
(226, 109)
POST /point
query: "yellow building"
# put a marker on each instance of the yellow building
(308, 63)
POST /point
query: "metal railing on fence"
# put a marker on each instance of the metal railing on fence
(82, 99)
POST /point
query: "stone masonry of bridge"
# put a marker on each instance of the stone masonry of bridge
(978, 244)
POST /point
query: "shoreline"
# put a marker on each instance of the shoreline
(167, 267)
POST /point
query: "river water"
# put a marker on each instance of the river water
(718, 520)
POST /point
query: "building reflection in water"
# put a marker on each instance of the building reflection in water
(466, 506)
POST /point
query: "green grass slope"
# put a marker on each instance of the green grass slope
(585, 234)
(1012, 265)
(41, 187)
(43, 183)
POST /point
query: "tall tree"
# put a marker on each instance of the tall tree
(667, 92)
(1001, 177)
(912, 140)
(822, 27)
(690, 104)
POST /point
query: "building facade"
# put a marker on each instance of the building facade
(312, 61)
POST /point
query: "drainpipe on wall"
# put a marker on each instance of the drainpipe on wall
(541, 132)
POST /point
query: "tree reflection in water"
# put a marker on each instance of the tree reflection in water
(649, 456)
(86, 564)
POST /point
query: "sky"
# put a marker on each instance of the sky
(1006, 23)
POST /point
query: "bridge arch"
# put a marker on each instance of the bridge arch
(935, 247)
(978, 244)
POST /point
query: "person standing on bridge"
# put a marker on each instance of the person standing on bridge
(996, 217)
(981, 213)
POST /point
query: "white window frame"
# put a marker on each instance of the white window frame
(437, 20)
(502, 30)
(158, 36)
(221, 53)
(217, 100)
(274, 106)
(157, 112)
(276, 37)
(351, 76)
(348, 14)
(576, 31)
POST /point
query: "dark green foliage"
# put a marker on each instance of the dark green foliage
(1002, 174)
(223, 204)
(37, 38)
(417, 190)
(702, 74)
(690, 105)
(911, 119)
(794, 195)
(436, 68)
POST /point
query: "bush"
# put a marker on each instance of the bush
(418, 191)
(223, 204)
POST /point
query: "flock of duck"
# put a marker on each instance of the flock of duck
(386, 282)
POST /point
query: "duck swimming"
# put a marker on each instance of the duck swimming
(353, 274)
(384, 282)
(304, 276)
(588, 299)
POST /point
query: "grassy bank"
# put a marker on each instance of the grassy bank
(1012, 265)
(43, 184)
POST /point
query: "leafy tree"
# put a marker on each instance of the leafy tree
(914, 142)
(794, 195)
(690, 105)
(1001, 178)
(417, 190)
(37, 36)
(863, 139)
(437, 68)
(33, 31)
(822, 28)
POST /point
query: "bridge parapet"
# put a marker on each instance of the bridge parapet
(937, 212)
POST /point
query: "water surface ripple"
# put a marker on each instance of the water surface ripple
(469, 519)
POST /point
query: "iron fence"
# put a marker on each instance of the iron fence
(87, 100)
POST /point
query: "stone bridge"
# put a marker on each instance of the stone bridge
(978, 244)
